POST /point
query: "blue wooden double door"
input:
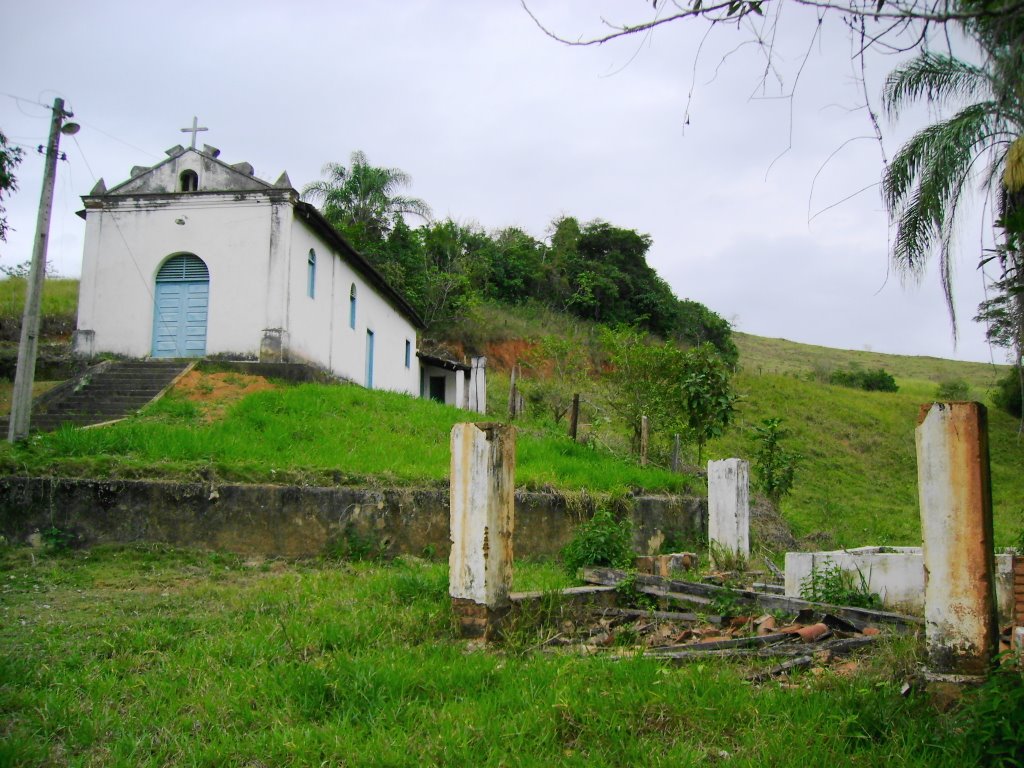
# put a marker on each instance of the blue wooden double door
(182, 304)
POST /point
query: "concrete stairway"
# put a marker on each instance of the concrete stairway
(108, 391)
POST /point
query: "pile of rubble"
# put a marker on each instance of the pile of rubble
(759, 625)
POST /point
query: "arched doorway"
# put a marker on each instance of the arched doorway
(181, 307)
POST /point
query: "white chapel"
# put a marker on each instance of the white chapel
(194, 257)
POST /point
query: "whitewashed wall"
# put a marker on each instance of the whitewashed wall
(256, 251)
(319, 327)
(125, 248)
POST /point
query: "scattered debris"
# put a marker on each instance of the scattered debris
(820, 637)
(693, 593)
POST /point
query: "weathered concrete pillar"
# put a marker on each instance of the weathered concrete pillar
(956, 523)
(482, 518)
(460, 389)
(478, 384)
(729, 506)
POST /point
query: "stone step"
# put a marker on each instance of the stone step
(113, 393)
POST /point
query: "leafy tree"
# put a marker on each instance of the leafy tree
(362, 200)
(878, 380)
(774, 466)
(1007, 394)
(448, 265)
(515, 266)
(707, 395)
(645, 376)
(697, 324)
(10, 157)
(559, 366)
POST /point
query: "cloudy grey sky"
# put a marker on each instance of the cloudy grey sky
(500, 125)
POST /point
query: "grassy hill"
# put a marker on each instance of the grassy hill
(310, 434)
(780, 356)
(856, 483)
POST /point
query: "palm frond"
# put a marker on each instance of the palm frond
(936, 77)
(923, 184)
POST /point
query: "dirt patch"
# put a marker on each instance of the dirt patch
(215, 392)
(502, 355)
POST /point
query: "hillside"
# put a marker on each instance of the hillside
(856, 484)
(759, 354)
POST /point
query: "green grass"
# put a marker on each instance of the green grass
(760, 355)
(60, 298)
(857, 483)
(316, 434)
(155, 657)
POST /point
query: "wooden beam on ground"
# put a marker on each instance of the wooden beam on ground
(704, 593)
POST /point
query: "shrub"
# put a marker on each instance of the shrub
(602, 540)
(1007, 394)
(990, 726)
(953, 389)
(831, 584)
(871, 381)
(774, 466)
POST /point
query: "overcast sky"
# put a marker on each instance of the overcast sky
(500, 125)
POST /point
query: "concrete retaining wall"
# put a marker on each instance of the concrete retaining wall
(895, 573)
(293, 521)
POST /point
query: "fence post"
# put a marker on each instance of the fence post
(645, 436)
(513, 392)
(574, 417)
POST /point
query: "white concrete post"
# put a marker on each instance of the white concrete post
(478, 385)
(460, 389)
(729, 507)
(482, 499)
(956, 523)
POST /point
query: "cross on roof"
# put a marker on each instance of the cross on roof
(194, 130)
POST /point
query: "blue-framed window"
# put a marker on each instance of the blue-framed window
(408, 353)
(352, 307)
(311, 274)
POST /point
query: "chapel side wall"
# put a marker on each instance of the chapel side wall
(125, 249)
(319, 330)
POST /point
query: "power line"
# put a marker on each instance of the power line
(115, 138)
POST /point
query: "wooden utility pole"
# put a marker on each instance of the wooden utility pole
(676, 457)
(21, 397)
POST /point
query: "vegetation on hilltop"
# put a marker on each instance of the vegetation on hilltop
(593, 270)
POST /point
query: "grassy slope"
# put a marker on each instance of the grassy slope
(857, 484)
(314, 433)
(152, 657)
(765, 356)
(60, 297)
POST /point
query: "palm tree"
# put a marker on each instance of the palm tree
(922, 187)
(362, 200)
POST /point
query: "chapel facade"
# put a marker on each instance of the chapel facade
(194, 257)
